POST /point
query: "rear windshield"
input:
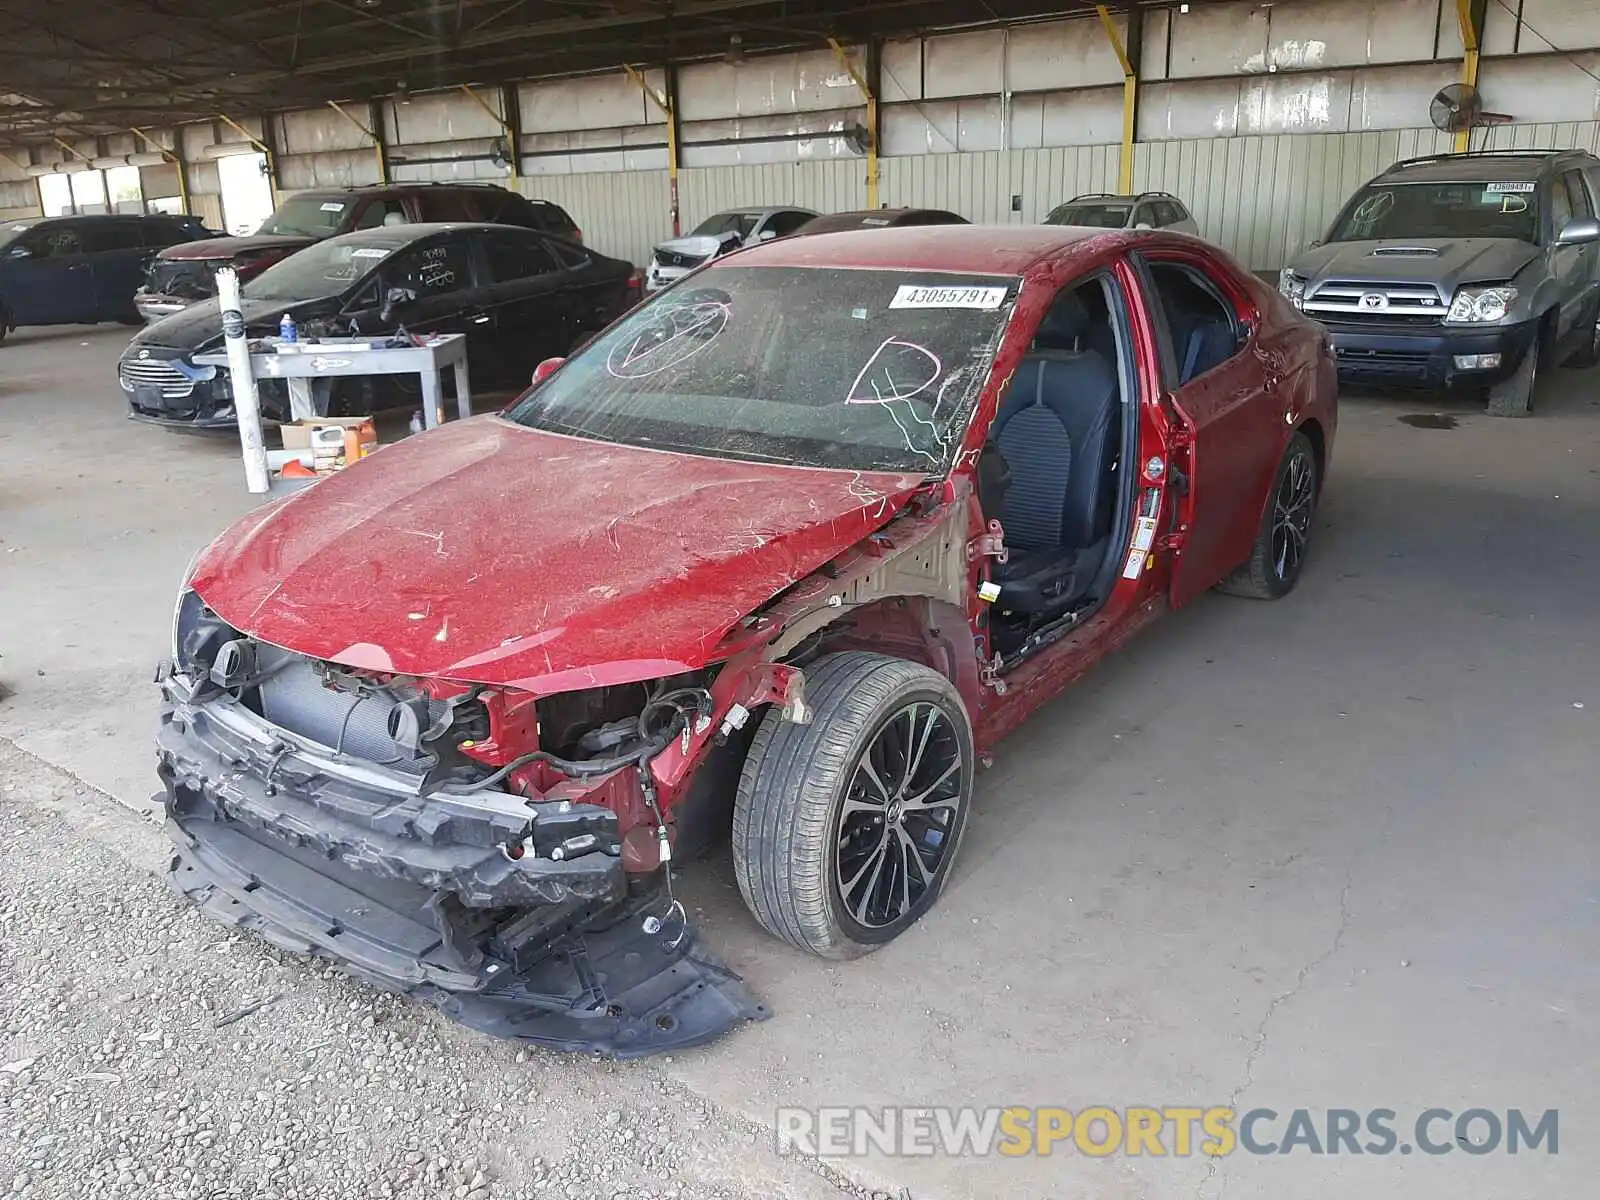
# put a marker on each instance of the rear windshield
(307, 216)
(860, 370)
(1440, 210)
(1095, 216)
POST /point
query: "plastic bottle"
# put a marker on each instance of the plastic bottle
(286, 329)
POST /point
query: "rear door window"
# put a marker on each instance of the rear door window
(103, 236)
(1578, 195)
(447, 204)
(516, 256)
(1203, 327)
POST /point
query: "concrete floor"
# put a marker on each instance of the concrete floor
(1338, 851)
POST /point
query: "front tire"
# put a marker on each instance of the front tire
(1513, 396)
(1279, 553)
(845, 830)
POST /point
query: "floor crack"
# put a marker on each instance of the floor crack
(1259, 1042)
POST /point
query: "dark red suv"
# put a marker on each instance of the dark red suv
(186, 274)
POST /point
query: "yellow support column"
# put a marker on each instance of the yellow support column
(171, 157)
(870, 93)
(1130, 89)
(505, 127)
(377, 142)
(1470, 15)
(664, 102)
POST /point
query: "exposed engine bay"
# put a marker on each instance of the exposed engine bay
(503, 857)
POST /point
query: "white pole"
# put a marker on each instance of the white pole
(246, 403)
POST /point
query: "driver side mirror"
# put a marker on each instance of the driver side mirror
(1144, 225)
(1579, 231)
(546, 369)
(766, 235)
(394, 300)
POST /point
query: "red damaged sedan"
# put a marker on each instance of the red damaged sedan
(782, 554)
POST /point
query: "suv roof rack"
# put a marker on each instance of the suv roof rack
(1476, 154)
(418, 183)
(1121, 196)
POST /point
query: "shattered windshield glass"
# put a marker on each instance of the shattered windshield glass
(858, 370)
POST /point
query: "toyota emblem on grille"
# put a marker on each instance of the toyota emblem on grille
(144, 354)
(1374, 301)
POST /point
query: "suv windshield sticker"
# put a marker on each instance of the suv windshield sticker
(1495, 188)
(910, 296)
(369, 252)
(333, 206)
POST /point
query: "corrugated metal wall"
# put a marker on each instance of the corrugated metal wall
(621, 213)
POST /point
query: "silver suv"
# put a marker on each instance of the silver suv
(1461, 271)
(671, 260)
(1148, 210)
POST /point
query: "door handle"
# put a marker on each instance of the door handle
(480, 318)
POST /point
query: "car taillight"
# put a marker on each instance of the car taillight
(577, 236)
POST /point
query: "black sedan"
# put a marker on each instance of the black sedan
(520, 296)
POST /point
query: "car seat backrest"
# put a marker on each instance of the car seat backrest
(1054, 431)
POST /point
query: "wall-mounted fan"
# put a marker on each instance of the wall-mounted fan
(856, 137)
(1458, 108)
(500, 154)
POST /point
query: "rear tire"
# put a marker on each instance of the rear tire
(845, 830)
(1279, 553)
(1513, 396)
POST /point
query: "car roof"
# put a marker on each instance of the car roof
(404, 235)
(963, 249)
(874, 218)
(1475, 168)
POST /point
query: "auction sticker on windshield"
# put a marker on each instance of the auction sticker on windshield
(1497, 188)
(909, 296)
(369, 252)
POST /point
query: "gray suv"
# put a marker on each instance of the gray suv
(1461, 271)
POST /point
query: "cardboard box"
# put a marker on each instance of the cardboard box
(339, 441)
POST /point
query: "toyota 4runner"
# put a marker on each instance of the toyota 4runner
(1462, 271)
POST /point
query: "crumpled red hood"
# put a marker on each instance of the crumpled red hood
(491, 553)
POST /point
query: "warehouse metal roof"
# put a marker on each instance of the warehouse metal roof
(89, 67)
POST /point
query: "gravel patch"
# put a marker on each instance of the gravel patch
(148, 1052)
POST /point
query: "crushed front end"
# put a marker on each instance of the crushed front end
(363, 818)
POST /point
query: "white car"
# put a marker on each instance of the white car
(673, 259)
(1148, 210)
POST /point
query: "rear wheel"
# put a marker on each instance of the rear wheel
(1513, 396)
(1279, 554)
(845, 830)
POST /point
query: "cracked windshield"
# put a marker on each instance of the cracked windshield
(857, 370)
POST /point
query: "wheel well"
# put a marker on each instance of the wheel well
(1318, 438)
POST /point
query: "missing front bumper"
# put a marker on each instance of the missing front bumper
(415, 895)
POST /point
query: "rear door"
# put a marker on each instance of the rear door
(49, 275)
(1579, 266)
(118, 257)
(1225, 415)
(530, 298)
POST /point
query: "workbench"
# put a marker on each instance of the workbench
(299, 363)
